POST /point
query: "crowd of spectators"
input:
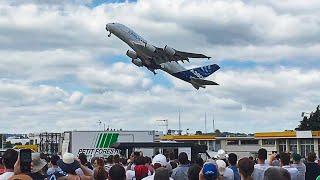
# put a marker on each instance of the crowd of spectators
(283, 166)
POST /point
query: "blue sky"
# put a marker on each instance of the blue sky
(58, 67)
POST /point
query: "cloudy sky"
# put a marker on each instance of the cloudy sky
(59, 71)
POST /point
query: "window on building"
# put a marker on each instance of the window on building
(307, 146)
(217, 145)
(293, 145)
(203, 142)
(232, 142)
(210, 145)
(282, 145)
(249, 142)
(319, 147)
(269, 142)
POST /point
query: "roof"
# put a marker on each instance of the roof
(287, 134)
(188, 137)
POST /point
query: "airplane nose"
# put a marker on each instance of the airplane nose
(107, 28)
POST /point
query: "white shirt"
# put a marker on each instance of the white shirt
(258, 172)
(293, 172)
(130, 175)
(152, 177)
(301, 169)
(6, 175)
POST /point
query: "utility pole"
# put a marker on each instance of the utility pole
(179, 124)
(205, 122)
(213, 123)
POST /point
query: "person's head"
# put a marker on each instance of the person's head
(199, 161)
(147, 160)
(311, 157)
(100, 173)
(277, 173)
(284, 158)
(140, 160)
(159, 161)
(37, 164)
(232, 158)
(98, 162)
(173, 164)
(93, 160)
(246, 167)
(117, 172)
(83, 158)
(116, 159)
(110, 159)
(54, 159)
(262, 154)
(193, 172)
(9, 158)
(183, 158)
(124, 161)
(296, 158)
(221, 166)
(210, 171)
(161, 174)
(221, 154)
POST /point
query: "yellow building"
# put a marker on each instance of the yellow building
(208, 140)
(301, 142)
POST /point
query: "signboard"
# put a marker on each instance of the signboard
(94, 143)
(99, 143)
(304, 134)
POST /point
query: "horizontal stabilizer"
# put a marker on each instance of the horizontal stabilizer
(202, 82)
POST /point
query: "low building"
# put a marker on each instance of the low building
(201, 139)
(301, 142)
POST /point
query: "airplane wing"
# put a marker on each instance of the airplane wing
(167, 54)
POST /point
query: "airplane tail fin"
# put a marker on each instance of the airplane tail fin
(201, 73)
(205, 71)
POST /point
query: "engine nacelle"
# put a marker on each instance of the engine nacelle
(132, 54)
(169, 50)
(150, 48)
(137, 62)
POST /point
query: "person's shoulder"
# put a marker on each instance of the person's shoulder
(20, 176)
(6, 175)
(149, 177)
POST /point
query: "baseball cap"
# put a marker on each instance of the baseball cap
(209, 169)
(160, 159)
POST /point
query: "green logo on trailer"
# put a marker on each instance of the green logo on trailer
(105, 140)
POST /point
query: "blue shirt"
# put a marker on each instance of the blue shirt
(235, 172)
(180, 172)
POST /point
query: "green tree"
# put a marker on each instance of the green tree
(217, 133)
(312, 123)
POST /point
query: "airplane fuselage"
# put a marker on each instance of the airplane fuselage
(137, 43)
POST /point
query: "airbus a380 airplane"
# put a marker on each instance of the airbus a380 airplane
(166, 59)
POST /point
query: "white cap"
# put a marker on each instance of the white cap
(221, 154)
(221, 166)
(68, 158)
(160, 159)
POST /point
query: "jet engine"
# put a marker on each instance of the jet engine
(150, 48)
(132, 54)
(169, 50)
(137, 62)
